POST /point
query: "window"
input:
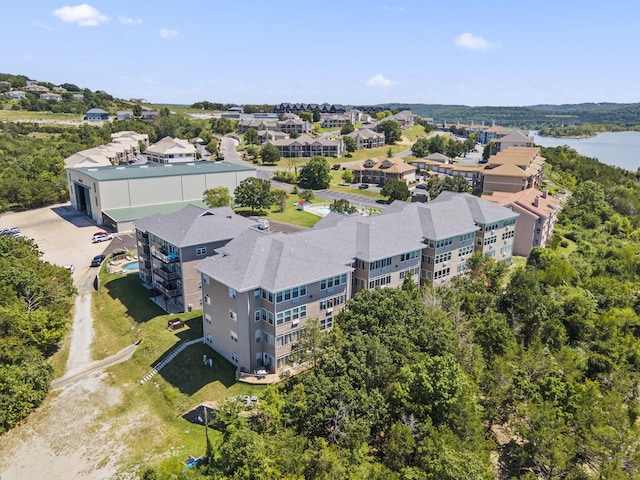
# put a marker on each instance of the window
(409, 256)
(441, 273)
(233, 316)
(234, 357)
(331, 282)
(234, 336)
(490, 240)
(385, 262)
(256, 316)
(442, 257)
(201, 251)
(205, 279)
(232, 293)
(461, 267)
(267, 295)
(291, 293)
(507, 235)
(289, 315)
(256, 294)
(207, 318)
(332, 302)
(412, 271)
(326, 323)
(467, 236)
(465, 250)
(427, 259)
(207, 299)
(444, 242)
(264, 314)
(380, 281)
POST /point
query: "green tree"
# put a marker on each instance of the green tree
(251, 137)
(421, 147)
(316, 115)
(347, 176)
(137, 110)
(395, 190)
(391, 130)
(280, 198)
(307, 195)
(212, 147)
(347, 129)
(307, 116)
(315, 174)
(456, 183)
(223, 126)
(350, 144)
(270, 154)
(342, 206)
(254, 193)
(217, 197)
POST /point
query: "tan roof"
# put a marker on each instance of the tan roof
(506, 170)
(395, 165)
(170, 145)
(525, 199)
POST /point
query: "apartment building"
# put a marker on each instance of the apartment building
(259, 291)
(305, 146)
(538, 213)
(380, 170)
(171, 150)
(513, 169)
(367, 138)
(169, 246)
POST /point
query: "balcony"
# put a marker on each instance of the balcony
(164, 256)
(166, 274)
(168, 290)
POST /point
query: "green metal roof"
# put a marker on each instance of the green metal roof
(128, 214)
(162, 170)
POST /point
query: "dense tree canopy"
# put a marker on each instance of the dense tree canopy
(391, 130)
(254, 193)
(395, 190)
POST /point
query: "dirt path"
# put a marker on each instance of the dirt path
(68, 437)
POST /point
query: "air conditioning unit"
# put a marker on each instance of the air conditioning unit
(329, 310)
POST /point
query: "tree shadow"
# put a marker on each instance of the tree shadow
(134, 297)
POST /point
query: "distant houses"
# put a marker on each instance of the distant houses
(96, 114)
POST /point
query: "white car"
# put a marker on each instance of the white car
(102, 238)
(70, 267)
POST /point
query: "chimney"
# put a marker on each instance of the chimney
(536, 202)
(544, 194)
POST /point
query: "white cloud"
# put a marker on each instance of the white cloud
(129, 20)
(168, 33)
(84, 15)
(379, 81)
(473, 42)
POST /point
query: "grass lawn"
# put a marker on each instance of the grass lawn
(413, 133)
(369, 153)
(336, 179)
(123, 314)
(290, 214)
(26, 115)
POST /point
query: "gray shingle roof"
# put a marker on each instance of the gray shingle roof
(195, 226)
(481, 211)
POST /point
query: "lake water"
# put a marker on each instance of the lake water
(621, 149)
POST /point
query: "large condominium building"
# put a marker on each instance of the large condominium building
(171, 150)
(261, 288)
(513, 169)
(169, 246)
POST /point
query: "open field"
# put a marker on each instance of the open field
(24, 115)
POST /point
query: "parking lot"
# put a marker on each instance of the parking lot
(63, 235)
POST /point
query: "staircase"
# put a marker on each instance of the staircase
(174, 353)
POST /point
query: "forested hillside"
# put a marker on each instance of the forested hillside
(529, 373)
(35, 301)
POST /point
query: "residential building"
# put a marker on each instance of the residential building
(78, 96)
(367, 138)
(169, 246)
(513, 139)
(171, 150)
(148, 115)
(35, 88)
(270, 135)
(118, 195)
(56, 97)
(438, 158)
(513, 169)
(334, 121)
(124, 115)
(538, 213)
(405, 118)
(15, 95)
(301, 107)
(305, 146)
(60, 89)
(380, 170)
(288, 125)
(96, 114)
(257, 124)
(124, 147)
(261, 289)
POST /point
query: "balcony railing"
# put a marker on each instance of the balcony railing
(169, 290)
(165, 257)
(166, 274)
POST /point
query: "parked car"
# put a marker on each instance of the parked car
(335, 166)
(102, 238)
(97, 260)
(14, 231)
(421, 186)
(363, 186)
(97, 234)
(70, 267)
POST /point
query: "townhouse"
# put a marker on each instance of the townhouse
(334, 121)
(56, 97)
(260, 289)
(169, 246)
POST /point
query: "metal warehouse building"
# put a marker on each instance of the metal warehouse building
(116, 196)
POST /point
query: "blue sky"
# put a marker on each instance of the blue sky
(353, 52)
